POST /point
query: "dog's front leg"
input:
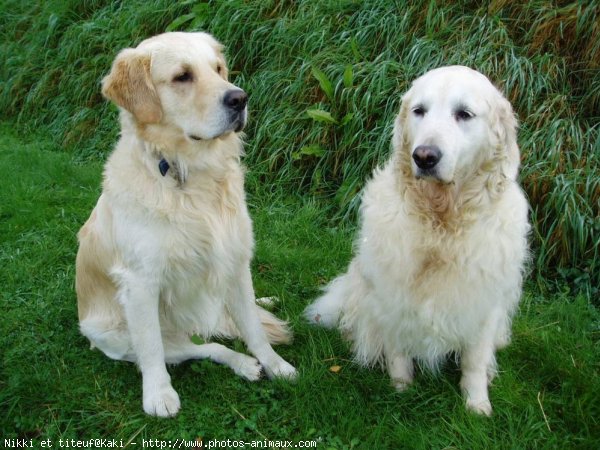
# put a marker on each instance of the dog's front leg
(478, 364)
(245, 315)
(401, 369)
(139, 296)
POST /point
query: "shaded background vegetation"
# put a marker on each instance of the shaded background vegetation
(325, 79)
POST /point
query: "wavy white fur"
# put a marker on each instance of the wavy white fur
(441, 253)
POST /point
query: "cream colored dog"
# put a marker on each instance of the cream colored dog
(166, 251)
(443, 242)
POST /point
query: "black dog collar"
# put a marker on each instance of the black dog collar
(163, 166)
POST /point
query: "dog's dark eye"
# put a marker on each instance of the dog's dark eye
(463, 114)
(419, 111)
(219, 69)
(183, 77)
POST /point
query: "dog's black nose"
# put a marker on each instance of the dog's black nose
(235, 99)
(427, 156)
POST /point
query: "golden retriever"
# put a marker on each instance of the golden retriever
(166, 251)
(443, 242)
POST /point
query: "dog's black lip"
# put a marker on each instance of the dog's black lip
(240, 126)
(239, 121)
(237, 124)
(427, 173)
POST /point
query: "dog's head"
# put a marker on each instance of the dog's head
(452, 123)
(178, 80)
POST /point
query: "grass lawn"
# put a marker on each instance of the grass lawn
(53, 387)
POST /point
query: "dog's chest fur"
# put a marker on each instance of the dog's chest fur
(186, 232)
(191, 237)
(429, 279)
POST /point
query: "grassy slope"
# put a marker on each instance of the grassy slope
(53, 386)
(545, 56)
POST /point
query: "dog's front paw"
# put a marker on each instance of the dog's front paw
(481, 407)
(248, 368)
(400, 384)
(475, 392)
(400, 368)
(161, 401)
(279, 368)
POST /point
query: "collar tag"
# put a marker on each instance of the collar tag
(163, 166)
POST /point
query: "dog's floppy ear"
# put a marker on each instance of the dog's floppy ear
(400, 137)
(401, 141)
(504, 126)
(129, 85)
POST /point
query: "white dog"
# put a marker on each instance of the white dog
(443, 243)
(166, 251)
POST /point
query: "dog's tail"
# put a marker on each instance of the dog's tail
(278, 331)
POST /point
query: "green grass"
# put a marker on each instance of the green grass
(325, 80)
(53, 387)
(353, 60)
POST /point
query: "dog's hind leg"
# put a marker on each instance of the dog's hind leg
(112, 339)
(179, 348)
(245, 315)
(327, 309)
(115, 343)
